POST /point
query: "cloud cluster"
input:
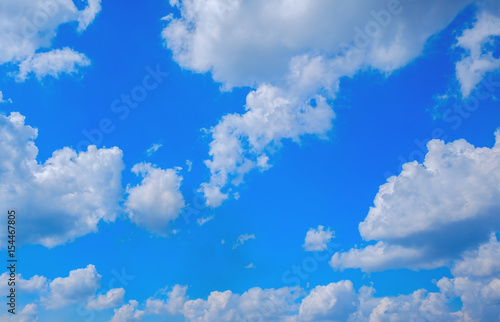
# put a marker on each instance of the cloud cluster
(431, 213)
(57, 203)
(30, 26)
(475, 282)
(79, 287)
(293, 54)
(337, 301)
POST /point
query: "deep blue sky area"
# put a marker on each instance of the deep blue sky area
(383, 118)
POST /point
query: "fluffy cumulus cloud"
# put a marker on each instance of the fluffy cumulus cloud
(317, 239)
(128, 313)
(256, 304)
(52, 63)
(79, 286)
(337, 301)
(242, 142)
(293, 53)
(112, 298)
(334, 301)
(156, 201)
(432, 212)
(479, 43)
(173, 305)
(30, 26)
(29, 313)
(251, 42)
(35, 284)
(63, 198)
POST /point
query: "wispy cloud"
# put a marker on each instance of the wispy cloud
(243, 239)
(204, 220)
(153, 149)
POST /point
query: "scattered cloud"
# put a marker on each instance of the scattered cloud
(204, 220)
(189, 164)
(251, 265)
(242, 239)
(52, 63)
(157, 200)
(3, 100)
(317, 239)
(153, 148)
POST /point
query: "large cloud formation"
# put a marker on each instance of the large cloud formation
(432, 212)
(479, 292)
(63, 198)
(293, 54)
(474, 281)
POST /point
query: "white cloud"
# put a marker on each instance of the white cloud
(156, 201)
(432, 212)
(63, 198)
(479, 292)
(29, 313)
(204, 220)
(256, 304)
(128, 313)
(252, 42)
(153, 149)
(242, 239)
(478, 59)
(30, 25)
(88, 14)
(317, 239)
(53, 63)
(173, 305)
(112, 298)
(244, 142)
(290, 52)
(79, 286)
(481, 262)
(251, 265)
(2, 100)
(189, 164)
(333, 302)
(35, 284)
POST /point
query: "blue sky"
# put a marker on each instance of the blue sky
(252, 160)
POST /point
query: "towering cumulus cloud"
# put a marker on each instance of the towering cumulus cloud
(63, 198)
(432, 212)
(293, 54)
